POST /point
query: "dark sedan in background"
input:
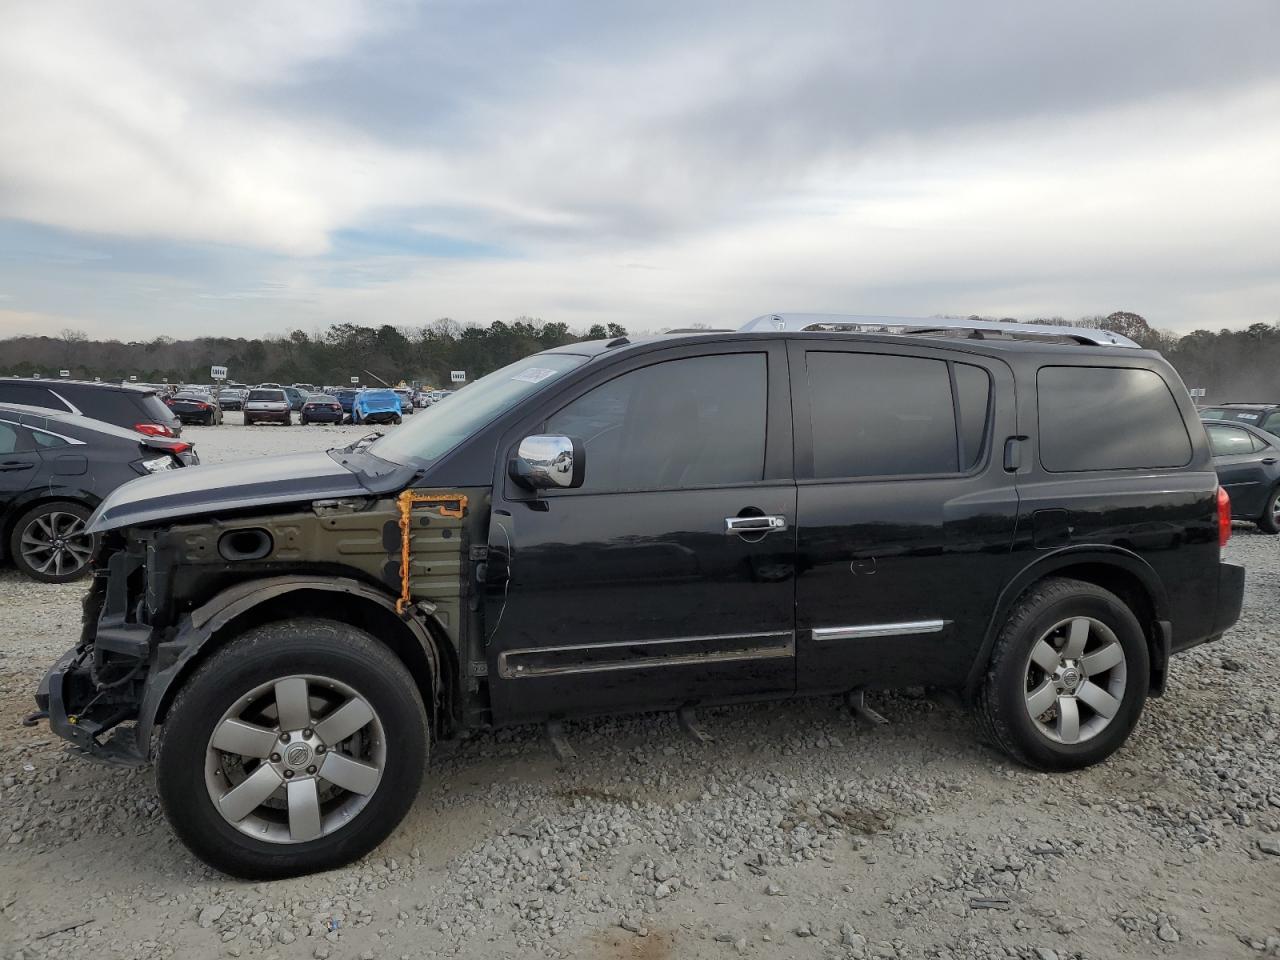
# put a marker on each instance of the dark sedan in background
(194, 406)
(321, 408)
(1248, 463)
(55, 468)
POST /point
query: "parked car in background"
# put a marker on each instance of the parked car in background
(306, 389)
(231, 398)
(321, 408)
(266, 405)
(346, 398)
(1264, 416)
(55, 468)
(1247, 460)
(406, 400)
(122, 405)
(296, 398)
(193, 406)
(376, 406)
(1028, 516)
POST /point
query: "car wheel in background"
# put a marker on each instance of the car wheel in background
(48, 542)
(1269, 522)
(395, 420)
(1068, 677)
(248, 421)
(296, 747)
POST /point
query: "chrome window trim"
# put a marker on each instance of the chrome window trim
(70, 440)
(866, 631)
(70, 406)
(760, 652)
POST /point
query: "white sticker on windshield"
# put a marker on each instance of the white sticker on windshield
(534, 374)
(1247, 416)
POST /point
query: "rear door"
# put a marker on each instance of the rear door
(637, 590)
(906, 516)
(1238, 458)
(19, 461)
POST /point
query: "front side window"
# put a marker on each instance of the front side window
(1108, 418)
(699, 421)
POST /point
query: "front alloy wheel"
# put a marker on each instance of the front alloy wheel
(295, 759)
(271, 766)
(49, 542)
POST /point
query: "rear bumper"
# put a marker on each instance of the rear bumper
(280, 415)
(1226, 611)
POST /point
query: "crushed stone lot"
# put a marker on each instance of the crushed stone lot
(796, 833)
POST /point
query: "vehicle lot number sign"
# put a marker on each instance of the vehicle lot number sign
(458, 376)
(218, 373)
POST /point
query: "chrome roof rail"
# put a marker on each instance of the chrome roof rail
(936, 326)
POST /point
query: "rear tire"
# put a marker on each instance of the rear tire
(224, 732)
(47, 544)
(1269, 522)
(396, 421)
(248, 421)
(1070, 652)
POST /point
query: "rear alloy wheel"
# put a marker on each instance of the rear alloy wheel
(271, 766)
(48, 542)
(1269, 522)
(1068, 678)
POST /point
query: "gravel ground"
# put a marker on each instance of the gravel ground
(796, 833)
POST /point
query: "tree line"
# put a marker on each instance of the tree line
(1230, 364)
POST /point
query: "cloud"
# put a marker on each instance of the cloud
(294, 163)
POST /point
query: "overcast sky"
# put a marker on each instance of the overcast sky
(192, 167)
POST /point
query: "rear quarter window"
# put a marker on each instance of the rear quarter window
(1108, 418)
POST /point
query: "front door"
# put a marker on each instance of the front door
(642, 588)
(906, 513)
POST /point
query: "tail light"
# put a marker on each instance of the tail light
(178, 448)
(153, 429)
(1224, 517)
(201, 405)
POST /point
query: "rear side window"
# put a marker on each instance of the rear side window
(8, 438)
(1228, 441)
(1108, 418)
(875, 415)
(32, 394)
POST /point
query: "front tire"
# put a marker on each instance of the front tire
(1068, 678)
(297, 747)
(1269, 522)
(396, 421)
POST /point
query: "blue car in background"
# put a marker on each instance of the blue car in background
(346, 398)
(376, 406)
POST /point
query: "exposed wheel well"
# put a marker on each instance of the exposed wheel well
(1133, 593)
(439, 696)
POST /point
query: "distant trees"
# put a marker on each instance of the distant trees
(426, 353)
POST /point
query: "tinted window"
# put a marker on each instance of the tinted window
(32, 394)
(973, 396)
(1272, 422)
(8, 438)
(681, 423)
(276, 395)
(875, 415)
(1250, 417)
(1108, 418)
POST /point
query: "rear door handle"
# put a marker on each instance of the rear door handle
(754, 524)
(1268, 460)
(16, 465)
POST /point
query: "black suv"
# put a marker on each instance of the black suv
(124, 405)
(811, 505)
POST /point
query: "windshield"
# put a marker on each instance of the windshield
(436, 430)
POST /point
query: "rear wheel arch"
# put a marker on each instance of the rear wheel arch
(421, 645)
(1115, 570)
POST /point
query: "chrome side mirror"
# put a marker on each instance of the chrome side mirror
(548, 463)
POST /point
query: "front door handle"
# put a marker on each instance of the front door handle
(1268, 460)
(754, 524)
(16, 465)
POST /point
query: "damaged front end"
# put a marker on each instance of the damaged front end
(98, 685)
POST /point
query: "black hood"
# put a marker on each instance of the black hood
(204, 490)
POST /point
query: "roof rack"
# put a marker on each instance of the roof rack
(935, 326)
